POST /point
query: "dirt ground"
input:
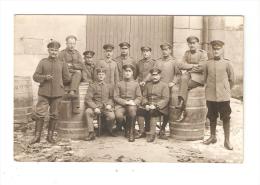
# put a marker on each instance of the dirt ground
(118, 149)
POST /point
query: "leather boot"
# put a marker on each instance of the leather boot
(162, 134)
(38, 131)
(131, 137)
(141, 132)
(226, 127)
(150, 137)
(212, 139)
(51, 128)
(91, 136)
(180, 103)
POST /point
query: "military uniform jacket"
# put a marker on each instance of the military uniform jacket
(158, 95)
(112, 75)
(127, 90)
(120, 60)
(199, 57)
(99, 94)
(74, 61)
(171, 69)
(219, 79)
(60, 73)
(143, 69)
(90, 67)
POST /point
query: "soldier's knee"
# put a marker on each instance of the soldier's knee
(89, 111)
(110, 117)
(119, 116)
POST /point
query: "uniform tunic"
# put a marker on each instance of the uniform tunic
(90, 67)
(143, 69)
(157, 94)
(50, 91)
(112, 75)
(121, 60)
(199, 57)
(99, 95)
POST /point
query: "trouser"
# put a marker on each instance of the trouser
(128, 112)
(44, 103)
(187, 84)
(143, 120)
(153, 116)
(75, 80)
(108, 116)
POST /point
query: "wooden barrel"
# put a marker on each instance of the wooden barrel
(192, 127)
(23, 99)
(73, 126)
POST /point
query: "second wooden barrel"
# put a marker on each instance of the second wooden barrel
(73, 126)
(23, 99)
(192, 127)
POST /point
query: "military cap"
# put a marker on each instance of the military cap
(101, 70)
(146, 48)
(166, 45)
(190, 38)
(108, 46)
(155, 70)
(53, 44)
(89, 53)
(124, 44)
(217, 43)
(71, 37)
(126, 66)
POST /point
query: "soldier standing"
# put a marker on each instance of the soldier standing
(155, 101)
(127, 96)
(76, 68)
(112, 75)
(51, 73)
(99, 101)
(170, 74)
(143, 68)
(219, 79)
(124, 58)
(89, 64)
(192, 78)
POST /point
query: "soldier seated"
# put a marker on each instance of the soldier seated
(127, 96)
(76, 68)
(99, 101)
(155, 102)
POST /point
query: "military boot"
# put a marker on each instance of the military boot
(91, 136)
(51, 128)
(38, 131)
(131, 137)
(226, 127)
(150, 137)
(212, 139)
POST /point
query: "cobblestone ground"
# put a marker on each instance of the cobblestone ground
(118, 149)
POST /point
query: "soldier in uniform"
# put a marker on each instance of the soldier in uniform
(89, 64)
(112, 75)
(219, 79)
(51, 73)
(155, 101)
(143, 68)
(127, 96)
(191, 78)
(76, 68)
(170, 74)
(124, 58)
(99, 100)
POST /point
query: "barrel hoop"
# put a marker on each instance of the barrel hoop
(196, 97)
(197, 123)
(188, 130)
(21, 108)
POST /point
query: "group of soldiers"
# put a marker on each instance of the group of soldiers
(122, 91)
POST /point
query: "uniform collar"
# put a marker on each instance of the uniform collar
(124, 57)
(128, 80)
(155, 82)
(147, 59)
(52, 59)
(167, 59)
(193, 51)
(100, 82)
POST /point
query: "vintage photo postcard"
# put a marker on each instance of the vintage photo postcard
(128, 88)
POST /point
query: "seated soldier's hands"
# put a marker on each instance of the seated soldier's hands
(72, 71)
(97, 111)
(108, 107)
(131, 102)
(196, 68)
(49, 77)
(142, 83)
(152, 107)
(147, 107)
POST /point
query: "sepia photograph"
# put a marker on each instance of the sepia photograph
(128, 88)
